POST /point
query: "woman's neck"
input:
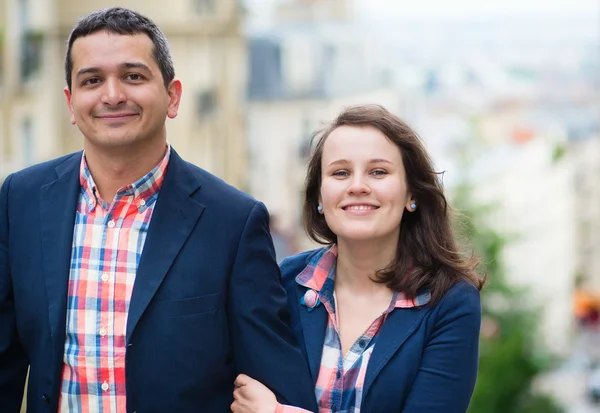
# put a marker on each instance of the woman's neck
(358, 263)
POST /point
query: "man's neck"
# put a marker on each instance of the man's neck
(115, 169)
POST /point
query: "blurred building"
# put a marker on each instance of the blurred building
(302, 72)
(533, 209)
(542, 178)
(294, 11)
(585, 155)
(210, 59)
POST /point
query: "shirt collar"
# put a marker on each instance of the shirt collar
(319, 275)
(320, 267)
(144, 190)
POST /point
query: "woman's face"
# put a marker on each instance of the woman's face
(363, 185)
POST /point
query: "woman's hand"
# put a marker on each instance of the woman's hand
(251, 396)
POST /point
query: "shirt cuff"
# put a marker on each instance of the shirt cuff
(283, 408)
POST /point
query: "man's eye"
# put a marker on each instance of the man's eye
(134, 76)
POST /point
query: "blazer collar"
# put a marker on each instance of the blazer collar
(175, 215)
(400, 324)
(58, 204)
(314, 323)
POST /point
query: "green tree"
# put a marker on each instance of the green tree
(510, 356)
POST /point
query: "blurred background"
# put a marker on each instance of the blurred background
(505, 94)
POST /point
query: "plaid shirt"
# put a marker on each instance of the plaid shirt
(341, 379)
(107, 244)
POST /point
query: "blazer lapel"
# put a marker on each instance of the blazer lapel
(58, 205)
(314, 324)
(399, 325)
(173, 219)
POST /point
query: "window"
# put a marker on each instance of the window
(31, 54)
(206, 104)
(205, 6)
(31, 43)
(1, 57)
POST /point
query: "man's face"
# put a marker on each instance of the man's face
(118, 98)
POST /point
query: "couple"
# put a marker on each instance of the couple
(132, 281)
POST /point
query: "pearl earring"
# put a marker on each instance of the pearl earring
(413, 205)
(320, 208)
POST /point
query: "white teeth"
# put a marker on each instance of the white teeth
(360, 207)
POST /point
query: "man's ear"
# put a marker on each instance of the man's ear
(69, 104)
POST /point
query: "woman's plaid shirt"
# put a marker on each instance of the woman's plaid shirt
(341, 377)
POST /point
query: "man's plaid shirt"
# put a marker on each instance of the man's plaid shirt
(108, 240)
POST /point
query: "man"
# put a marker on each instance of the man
(131, 280)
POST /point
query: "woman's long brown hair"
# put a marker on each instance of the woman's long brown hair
(428, 254)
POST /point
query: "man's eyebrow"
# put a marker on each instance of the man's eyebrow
(126, 65)
(87, 70)
(135, 65)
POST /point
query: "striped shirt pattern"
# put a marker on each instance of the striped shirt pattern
(340, 382)
(108, 240)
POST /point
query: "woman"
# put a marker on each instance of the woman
(388, 311)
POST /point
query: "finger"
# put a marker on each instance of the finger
(237, 395)
(237, 407)
(241, 380)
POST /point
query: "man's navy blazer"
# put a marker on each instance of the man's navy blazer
(425, 359)
(207, 302)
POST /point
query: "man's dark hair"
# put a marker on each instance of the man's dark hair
(125, 22)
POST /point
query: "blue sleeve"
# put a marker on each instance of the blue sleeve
(264, 346)
(448, 370)
(13, 360)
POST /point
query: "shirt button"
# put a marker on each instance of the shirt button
(142, 202)
(111, 223)
(105, 386)
(102, 332)
(105, 277)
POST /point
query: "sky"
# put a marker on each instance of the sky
(450, 9)
(390, 9)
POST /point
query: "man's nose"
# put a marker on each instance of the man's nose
(113, 93)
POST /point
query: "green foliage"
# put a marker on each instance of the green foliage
(558, 152)
(510, 357)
